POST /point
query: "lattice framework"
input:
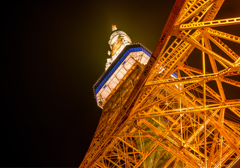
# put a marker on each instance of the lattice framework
(157, 121)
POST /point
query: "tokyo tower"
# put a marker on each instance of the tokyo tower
(169, 107)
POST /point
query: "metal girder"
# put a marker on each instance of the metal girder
(169, 162)
(168, 147)
(211, 91)
(230, 81)
(184, 80)
(192, 41)
(199, 71)
(224, 47)
(230, 138)
(184, 111)
(172, 56)
(215, 70)
(189, 87)
(194, 9)
(223, 35)
(236, 111)
(214, 23)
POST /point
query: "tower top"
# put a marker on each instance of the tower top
(114, 27)
(118, 41)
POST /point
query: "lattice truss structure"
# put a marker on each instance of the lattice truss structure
(154, 120)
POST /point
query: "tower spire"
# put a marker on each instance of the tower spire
(114, 27)
(118, 40)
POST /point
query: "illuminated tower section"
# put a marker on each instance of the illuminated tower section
(152, 117)
(118, 41)
(126, 63)
(114, 87)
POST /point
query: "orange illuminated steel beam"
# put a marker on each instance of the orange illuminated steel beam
(215, 69)
(194, 9)
(186, 110)
(223, 47)
(172, 55)
(183, 80)
(199, 71)
(214, 23)
(195, 43)
(211, 91)
(232, 140)
(223, 35)
(192, 86)
(185, 144)
(168, 147)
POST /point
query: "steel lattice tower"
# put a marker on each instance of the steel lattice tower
(155, 120)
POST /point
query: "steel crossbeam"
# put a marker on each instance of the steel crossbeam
(184, 111)
(223, 35)
(214, 23)
(192, 41)
(184, 80)
(224, 47)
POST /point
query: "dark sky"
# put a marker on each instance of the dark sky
(53, 53)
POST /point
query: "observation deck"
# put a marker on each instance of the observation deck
(127, 60)
(126, 63)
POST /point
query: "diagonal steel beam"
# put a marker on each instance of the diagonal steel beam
(223, 35)
(192, 41)
(213, 23)
(185, 110)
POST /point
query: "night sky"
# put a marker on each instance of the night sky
(52, 54)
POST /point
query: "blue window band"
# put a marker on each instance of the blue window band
(128, 49)
(117, 62)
